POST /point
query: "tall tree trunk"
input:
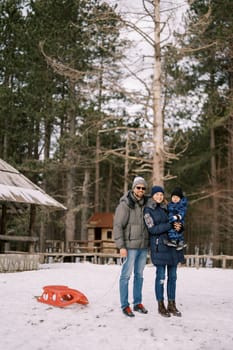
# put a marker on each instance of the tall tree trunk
(47, 140)
(229, 212)
(5, 140)
(71, 173)
(32, 220)
(42, 231)
(97, 163)
(126, 163)
(215, 229)
(158, 159)
(6, 124)
(109, 187)
(44, 214)
(70, 204)
(97, 174)
(85, 195)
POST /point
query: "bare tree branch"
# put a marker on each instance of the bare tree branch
(61, 69)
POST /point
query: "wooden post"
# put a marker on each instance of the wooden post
(32, 226)
(3, 226)
(197, 257)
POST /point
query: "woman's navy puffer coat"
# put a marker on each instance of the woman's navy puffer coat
(156, 221)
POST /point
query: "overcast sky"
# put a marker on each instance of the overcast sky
(140, 55)
(142, 51)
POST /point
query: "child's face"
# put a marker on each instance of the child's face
(175, 199)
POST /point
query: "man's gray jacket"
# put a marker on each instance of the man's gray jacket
(129, 229)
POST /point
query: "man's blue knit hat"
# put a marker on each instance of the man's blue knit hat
(156, 189)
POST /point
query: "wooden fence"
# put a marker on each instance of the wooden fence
(100, 251)
(197, 260)
(7, 239)
(19, 262)
(97, 252)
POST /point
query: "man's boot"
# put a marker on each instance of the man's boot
(162, 310)
(171, 307)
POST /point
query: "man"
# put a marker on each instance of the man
(132, 239)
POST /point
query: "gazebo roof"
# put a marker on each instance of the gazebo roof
(15, 187)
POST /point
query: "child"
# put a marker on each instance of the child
(176, 212)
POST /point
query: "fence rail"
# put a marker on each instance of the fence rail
(20, 262)
(194, 260)
(103, 251)
(204, 260)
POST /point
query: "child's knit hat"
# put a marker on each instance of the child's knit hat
(177, 192)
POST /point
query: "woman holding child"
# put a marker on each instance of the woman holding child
(163, 257)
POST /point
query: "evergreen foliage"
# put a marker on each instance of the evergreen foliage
(65, 121)
(204, 70)
(50, 118)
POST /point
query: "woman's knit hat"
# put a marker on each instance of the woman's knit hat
(177, 192)
(156, 189)
(138, 181)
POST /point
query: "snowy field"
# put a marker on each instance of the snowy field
(205, 297)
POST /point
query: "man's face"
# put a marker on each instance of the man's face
(139, 190)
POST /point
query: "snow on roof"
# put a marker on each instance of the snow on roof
(15, 187)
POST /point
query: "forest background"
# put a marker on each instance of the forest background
(71, 123)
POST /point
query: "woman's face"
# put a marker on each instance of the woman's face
(158, 197)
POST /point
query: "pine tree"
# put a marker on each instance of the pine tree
(207, 72)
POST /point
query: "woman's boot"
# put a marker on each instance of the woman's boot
(162, 310)
(171, 307)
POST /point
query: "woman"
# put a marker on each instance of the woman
(162, 256)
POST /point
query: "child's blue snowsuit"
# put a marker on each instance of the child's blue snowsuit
(180, 209)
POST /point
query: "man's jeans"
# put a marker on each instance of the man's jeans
(160, 280)
(136, 259)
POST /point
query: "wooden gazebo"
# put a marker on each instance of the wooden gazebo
(18, 190)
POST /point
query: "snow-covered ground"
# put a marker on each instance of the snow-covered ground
(205, 297)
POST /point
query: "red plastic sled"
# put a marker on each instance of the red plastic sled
(62, 296)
